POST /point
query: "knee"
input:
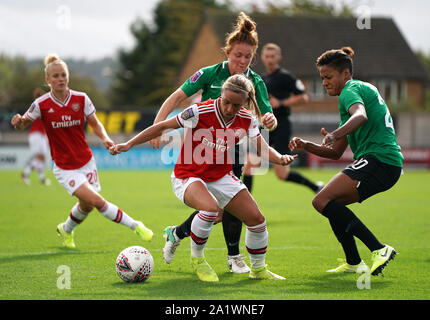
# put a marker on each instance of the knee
(255, 220)
(96, 201)
(260, 219)
(282, 172)
(281, 176)
(319, 203)
(88, 197)
(85, 206)
(212, 208)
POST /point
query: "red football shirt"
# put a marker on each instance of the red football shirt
(37, 126)
(209, 141)
(64, 125)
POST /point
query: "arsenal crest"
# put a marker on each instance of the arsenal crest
(76, 107)
(239, 133)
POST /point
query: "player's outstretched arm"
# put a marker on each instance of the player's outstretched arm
(334, 143)
(146, 135)
(263, 150)
(100, 131)
(334, 152)
(20, 122)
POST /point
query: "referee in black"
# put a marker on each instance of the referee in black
(285, 91)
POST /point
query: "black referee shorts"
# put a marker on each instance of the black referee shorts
(373, 176)
(280, 137)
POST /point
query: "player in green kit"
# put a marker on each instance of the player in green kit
(367, 127)
(241, 46)
(210, 80)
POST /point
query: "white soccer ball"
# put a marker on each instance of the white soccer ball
(134, 264)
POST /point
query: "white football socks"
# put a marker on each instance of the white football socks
(256, 239)
(76, 216)
(201, 227)
(112, 212)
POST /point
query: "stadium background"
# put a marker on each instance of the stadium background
(127, 100)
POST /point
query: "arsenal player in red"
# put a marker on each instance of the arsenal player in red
(202, 177)
(39, 148)
(63, 112)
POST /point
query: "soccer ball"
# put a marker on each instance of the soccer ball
(134, 264)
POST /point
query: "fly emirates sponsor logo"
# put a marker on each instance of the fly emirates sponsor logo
(66, 121)
(212, 147)
(219, 145)
(222, 140)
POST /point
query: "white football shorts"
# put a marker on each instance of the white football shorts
(38, 143)
(73, 179)
(223, 189)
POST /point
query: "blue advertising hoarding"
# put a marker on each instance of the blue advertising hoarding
(142, 158)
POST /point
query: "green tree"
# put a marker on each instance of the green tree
(148, 72)
(86, 84)
(18, 81)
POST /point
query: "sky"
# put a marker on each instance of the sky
(90, 29)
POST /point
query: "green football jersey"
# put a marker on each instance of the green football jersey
(377, 136)
(210, 80)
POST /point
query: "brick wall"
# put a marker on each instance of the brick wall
(415, 92)
(205, 51)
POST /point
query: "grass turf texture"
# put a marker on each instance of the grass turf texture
(301, 244)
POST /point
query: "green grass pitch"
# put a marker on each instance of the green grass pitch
(301, 244)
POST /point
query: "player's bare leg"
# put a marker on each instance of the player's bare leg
(340, 188)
